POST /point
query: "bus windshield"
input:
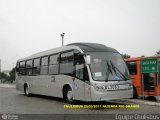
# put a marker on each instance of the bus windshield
(107, 66)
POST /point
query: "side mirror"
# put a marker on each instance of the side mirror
(88, 59)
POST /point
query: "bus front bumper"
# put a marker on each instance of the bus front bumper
(112, 95)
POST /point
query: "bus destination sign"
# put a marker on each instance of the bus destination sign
(149, 65)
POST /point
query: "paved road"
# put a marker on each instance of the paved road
(12, 101)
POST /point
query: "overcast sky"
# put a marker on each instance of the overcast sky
(30, 26)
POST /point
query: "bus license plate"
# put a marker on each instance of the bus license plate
(112, 87)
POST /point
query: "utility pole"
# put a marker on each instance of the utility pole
(62, 35)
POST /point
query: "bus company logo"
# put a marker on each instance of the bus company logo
(4, 116)
(9, 117)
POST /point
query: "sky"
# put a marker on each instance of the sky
(31, 26)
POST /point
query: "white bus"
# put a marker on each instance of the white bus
(78, 71)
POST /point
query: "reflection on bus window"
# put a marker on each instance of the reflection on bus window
(66, 65)
(29, 67)
(22, 68)
(54, 64)
(44, 65)
(36, 66)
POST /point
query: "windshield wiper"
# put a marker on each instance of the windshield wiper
(115, 68)
(108, 70)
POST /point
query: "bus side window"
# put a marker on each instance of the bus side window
(66, 63)
(78, 58)
(44, 65)
(21, 70)
(132, 66)
(80, 71)
(29, 67)
(36, 66)
(54, 64)
(17, 67)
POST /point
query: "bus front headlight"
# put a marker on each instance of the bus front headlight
(96, 88)
(130, 86)
(99, 87)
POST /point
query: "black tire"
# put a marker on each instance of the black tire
(68, 95)
(135, 92)
(26, 92)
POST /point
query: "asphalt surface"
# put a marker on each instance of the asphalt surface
(15, 102)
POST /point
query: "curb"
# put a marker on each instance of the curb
(8, 85)
(138, 101)
(145, 102)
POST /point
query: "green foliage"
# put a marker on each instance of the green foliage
(125, 56)
(3, 75)
(7, 78)
(158, 52)
(12, 75)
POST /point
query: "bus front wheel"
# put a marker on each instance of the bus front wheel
(135, 95)
(26, 90)
(68, 95)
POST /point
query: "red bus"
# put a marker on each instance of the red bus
(147, 84)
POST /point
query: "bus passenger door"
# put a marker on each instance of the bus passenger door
(135, 74)
(87, 89)
(78, 82)
(149, 81)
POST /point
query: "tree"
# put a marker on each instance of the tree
(158, 52)
(12, 75)
(4, 76)
(125, 56)
(10, 78)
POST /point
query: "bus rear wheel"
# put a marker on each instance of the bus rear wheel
(68, 95)
(26, 90)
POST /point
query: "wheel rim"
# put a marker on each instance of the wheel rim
(70, 95)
